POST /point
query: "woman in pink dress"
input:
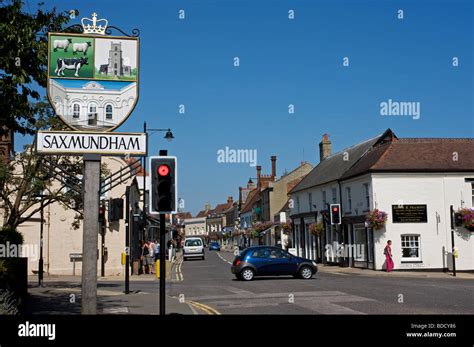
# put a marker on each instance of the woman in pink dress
(388, 256)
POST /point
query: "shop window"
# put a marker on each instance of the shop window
(411, 248)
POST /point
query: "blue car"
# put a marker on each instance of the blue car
(214, 246)
(271, 261)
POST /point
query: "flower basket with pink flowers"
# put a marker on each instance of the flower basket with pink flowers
(376, 219)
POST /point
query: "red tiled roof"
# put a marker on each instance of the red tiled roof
(251, 199)
(202, 213)
(417, 155)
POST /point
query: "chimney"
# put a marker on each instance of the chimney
(325, 148)
(273, 159)
(230, 200)
(259, 171)
(250, 184)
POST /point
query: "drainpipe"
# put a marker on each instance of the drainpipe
(341, 262)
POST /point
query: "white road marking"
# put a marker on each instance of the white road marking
(115, 310)
(222, 258)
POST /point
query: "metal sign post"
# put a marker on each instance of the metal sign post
(90, 233)
(92, 85)
(451, 214)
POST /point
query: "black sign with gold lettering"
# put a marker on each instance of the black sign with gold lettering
(409, 214)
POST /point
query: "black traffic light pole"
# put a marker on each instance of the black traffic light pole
(162, 257)
(127, 240)
(451, 214)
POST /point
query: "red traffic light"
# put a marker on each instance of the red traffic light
(163, 170)
(335, 209)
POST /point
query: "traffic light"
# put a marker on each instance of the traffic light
(102, 214)
(458, 219)
(335, 213)
(115, 209)
(163, 188)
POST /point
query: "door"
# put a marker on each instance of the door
(261, 260)
(281, 262)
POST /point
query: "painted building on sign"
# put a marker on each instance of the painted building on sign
(89, 105)
(116, 65)
(413, 180)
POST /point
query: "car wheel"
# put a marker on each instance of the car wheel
(247, 274)
(305, 272)
(203, 257)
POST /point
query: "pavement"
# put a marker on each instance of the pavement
(207, 287)
(62, 295)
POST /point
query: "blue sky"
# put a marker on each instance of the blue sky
(284, 62)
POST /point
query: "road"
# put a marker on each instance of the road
(211, 283)
(207, 287)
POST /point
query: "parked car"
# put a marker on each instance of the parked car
(193, 248)
(214, 246)
(271, 261)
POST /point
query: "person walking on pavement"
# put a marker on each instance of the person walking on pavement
(388, 256)
(144, 258)
(151, 256)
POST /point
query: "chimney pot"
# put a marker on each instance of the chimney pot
(325, 148)
(273, 159)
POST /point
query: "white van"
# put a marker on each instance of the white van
(193, 248)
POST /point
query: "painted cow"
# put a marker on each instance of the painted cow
(61, 44)
(70, 64)
(80, 47)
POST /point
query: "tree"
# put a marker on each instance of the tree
(27, 178)
(23, 63)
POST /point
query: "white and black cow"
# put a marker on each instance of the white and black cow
(70, 64)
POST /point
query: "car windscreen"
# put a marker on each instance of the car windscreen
(193, 243)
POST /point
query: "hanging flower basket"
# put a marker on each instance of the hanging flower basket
(376, 219)
(316, 228)
(287, 227)
(467, 218)
(236, 233)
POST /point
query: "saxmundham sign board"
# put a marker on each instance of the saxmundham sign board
(76, 143)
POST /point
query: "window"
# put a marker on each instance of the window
(325, 201)
(108, 111)
(116, 48)
(334, 195)
(411, 248)
(367, 196)
(310, 201)
(92, 114)
(261, 253)
(279, 254)
(297, 204)
(115, 65)
(472, 187)
(193, 243)
(76, 109)
(349, 199)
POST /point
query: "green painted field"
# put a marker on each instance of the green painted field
(86, 71)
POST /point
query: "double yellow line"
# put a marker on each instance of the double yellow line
(208, 309)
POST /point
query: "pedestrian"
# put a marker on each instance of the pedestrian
(151, 256)
(144, 257)
(157, 251)
(388, 256)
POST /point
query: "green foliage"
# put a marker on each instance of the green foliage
(23, 62)
(11, 235)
